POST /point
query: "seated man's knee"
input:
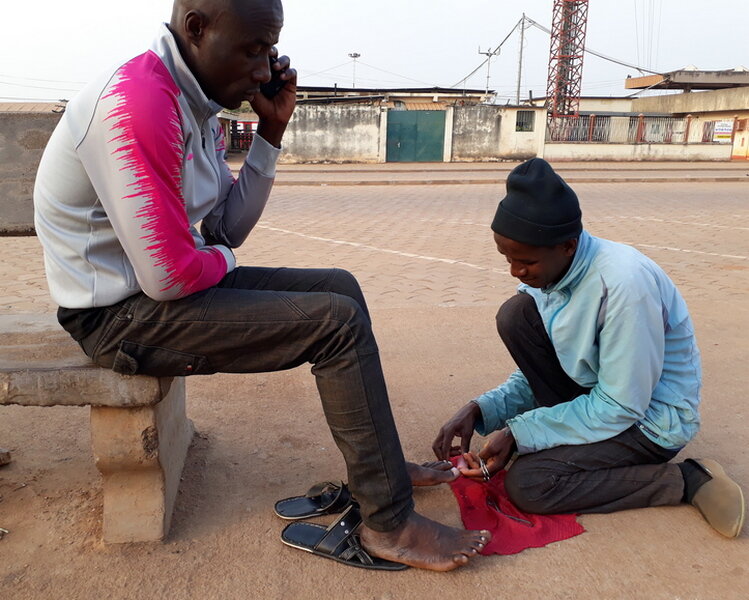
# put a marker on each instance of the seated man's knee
(349, 313)
(530, 489)
(345, 283)
(348, 329)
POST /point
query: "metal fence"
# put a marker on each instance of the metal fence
(635, 129)
(240, 140)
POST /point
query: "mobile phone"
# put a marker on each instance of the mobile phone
(271, 88)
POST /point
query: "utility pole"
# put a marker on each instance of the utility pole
(520, 62)
(354, 55)
(489, 53)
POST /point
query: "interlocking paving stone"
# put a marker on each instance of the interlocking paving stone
(431, 244)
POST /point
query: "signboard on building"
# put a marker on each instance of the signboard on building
(722, 132)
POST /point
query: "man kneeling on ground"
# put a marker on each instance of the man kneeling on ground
(608, 385)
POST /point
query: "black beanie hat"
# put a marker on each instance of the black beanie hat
(539, 209)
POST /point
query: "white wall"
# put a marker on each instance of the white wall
(333, 132)
(474, 133)
(606, 104)
(521, 145)
(728, 101)
(23, 137)
(628, 152)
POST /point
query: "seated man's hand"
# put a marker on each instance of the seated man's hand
(496, 453)
(274, 113)
(461, 426)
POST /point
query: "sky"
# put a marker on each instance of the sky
(55, 46)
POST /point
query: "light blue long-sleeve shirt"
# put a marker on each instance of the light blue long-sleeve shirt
(619, 327)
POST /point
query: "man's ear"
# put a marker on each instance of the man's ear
(569, 247)
(195, 24)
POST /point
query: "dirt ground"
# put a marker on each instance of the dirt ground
(433, 280)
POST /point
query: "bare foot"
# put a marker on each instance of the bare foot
(425, 544)
(432, 473)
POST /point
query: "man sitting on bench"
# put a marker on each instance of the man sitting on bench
(135, 163)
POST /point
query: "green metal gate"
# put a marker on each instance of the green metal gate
(416, 135)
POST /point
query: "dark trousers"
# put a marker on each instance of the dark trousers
(261, 319)
(626, 471)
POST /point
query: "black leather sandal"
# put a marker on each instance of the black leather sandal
(326, 498)
(339, 542)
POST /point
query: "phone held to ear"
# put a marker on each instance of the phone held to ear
(271, 88)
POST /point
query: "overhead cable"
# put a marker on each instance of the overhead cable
(488, 58)
(43, 80)
(598, 54)
(348, 62)
(38, 87)
(397, 74)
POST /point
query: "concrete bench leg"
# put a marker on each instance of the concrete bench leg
(140, 453)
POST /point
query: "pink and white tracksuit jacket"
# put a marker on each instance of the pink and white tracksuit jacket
(136, 161)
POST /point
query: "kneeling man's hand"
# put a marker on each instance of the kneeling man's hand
(461, 425)
(496, 453)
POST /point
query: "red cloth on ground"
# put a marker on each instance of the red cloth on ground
(485, 505)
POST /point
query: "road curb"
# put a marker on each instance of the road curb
(391, 182)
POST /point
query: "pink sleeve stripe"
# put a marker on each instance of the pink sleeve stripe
(150, 146)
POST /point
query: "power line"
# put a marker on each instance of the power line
(370, 67)
(397, 74)
(651, 32)
(462, 81)
(658, 37)
(637, 32)
(598, 54)
(44, 80)
(348, 62)
(38, 87)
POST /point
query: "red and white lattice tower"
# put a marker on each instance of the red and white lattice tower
(566, 64)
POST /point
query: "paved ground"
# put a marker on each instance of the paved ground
(433, 280)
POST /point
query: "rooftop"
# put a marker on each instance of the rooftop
(691, 78)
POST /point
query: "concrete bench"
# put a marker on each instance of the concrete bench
(139, 430)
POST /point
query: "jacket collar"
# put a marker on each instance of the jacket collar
(587, 246)
(165, 47)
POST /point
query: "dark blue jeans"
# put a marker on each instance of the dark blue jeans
(626, 471)
(262, 319)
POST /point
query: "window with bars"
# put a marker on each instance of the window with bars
(708, 130)
(525, 120)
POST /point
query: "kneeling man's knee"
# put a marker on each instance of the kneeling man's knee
(531, 490)
(512, 313)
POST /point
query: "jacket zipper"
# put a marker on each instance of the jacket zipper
(211, 160)
(556, 312)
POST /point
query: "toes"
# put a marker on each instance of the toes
(480, 542)
(439, 465)
(478, 546)
(448, 476)
(480, 536)
(470, 552)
